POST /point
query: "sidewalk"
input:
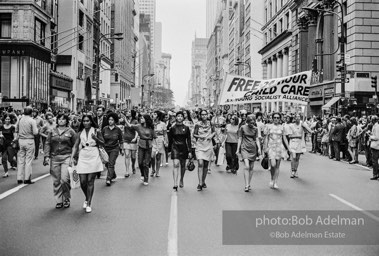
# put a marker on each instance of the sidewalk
(361, 157)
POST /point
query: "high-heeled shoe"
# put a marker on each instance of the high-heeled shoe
(181, 184)
(175, 188)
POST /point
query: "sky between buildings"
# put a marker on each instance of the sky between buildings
(181, 19)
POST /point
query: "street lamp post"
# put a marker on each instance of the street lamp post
(330, 4)
(238, 62)
(117, 36)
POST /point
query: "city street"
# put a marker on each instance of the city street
(131, 219)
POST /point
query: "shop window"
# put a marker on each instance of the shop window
(5, 25)
(39, 32)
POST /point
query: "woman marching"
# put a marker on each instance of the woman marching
(89, 161)
(249, 147)
(8, 152)
(146, 134)
(113, 145)
(274, 147)
(158, 143)
(180, 144)
(231, 145)
(59, 153)
(130, 143)
(204, 132)
(297, 143)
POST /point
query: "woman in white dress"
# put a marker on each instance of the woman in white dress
(88, 161)
(159, 143)
(297, 143)
(274, 147)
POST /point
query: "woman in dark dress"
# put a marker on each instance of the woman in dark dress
(180, 144)
(8, 152)
(145, 130)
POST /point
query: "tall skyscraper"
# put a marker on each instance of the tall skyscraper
(211, 10)
(158, 41)
(148, 7)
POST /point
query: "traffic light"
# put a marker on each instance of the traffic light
(374, 81)
(340, 67)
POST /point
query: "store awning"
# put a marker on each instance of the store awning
(330, 103)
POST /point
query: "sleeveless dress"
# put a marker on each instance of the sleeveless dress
(297, 145)
(89, 159)
(249, 148)
(276, 148)
(204, 148)
(158, 142)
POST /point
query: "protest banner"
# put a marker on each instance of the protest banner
(241, 90)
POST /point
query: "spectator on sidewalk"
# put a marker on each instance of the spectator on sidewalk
(26, 130)
(337, 138)
(374, 137)
(37, 137)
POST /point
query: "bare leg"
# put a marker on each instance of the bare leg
(200, 171)
(246, 172)
(158, 163)
(84, 184)
(182, 171)
(127, 161)
(175, 172)
(91, 187)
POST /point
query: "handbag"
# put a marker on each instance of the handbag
(103, 155)
(190, 165)
(264, 162)
(74, 177)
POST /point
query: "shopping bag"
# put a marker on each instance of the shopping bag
(103, 155)
(221, 156)
(74, 177)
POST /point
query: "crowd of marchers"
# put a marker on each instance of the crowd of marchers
(91, 142)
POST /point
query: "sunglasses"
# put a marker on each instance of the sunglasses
(276, 117)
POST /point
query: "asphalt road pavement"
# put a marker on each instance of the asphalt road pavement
(131, 219)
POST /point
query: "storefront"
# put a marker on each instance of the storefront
(316, 101)
(25, 72)
(60, 91)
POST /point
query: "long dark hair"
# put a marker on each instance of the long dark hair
(188, 115)
(93, 124)
(159, 115)
(148, 121)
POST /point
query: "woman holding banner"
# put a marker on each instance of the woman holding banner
(274, 147)
(297, 143)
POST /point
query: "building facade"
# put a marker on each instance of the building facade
(322, 30)
(200, 93)
(25, 51)
(75, 50)
(123, 53)
(277, 53)
(148, 7)
(105, 53)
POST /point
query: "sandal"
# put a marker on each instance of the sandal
(247, 189)
(66, 204)
(59, 205)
